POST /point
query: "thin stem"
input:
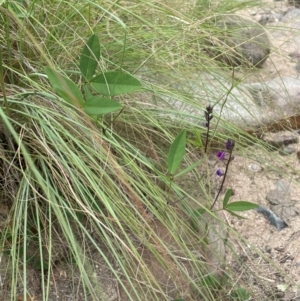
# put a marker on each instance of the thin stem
(207, 134)
(223, 181)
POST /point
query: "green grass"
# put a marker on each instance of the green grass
(100, 187)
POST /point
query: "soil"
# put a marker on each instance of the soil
(270, 259)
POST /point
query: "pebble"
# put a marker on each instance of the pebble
(287, 150)
(255, 167)
(268, 249)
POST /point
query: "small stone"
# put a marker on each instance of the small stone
(286, 258)
(277, 197)
(280, 249)
(268, 249)
(287, 150)
(281, 139)
(255, 167)
(255, 255)
(279, 294)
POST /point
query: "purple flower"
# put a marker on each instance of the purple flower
(229, 144)
(220, 173)
(221, 155)
(208, 113)
(209, 109)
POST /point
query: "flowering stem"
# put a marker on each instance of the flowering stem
(208, 117)
(206, 140)
(223, 181)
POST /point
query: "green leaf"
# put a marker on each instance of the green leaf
(64, 87)
(89, 57)
(227, 196)
(100, 106)
(198, 141)
(87, 91)
(240, 206)
(176, 152)
(115, 83)
(188, 169)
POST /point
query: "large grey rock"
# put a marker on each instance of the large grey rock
(245, 105)
(278, 97)
(247, 42)
(234, 104)
(292, 19)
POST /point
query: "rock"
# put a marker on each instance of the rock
(255, 167)
(268, 249)
(276, 197)
(291, 15)
(281, 139)
(265, 17)
(281, 203)
(248, 105)
(274, 220)
(281, 95)
(247, 41)
(287, 150)
(295, 3)
(237, 106)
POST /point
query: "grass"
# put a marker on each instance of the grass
(81, 191)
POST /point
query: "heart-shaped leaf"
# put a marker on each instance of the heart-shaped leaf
(64, 87)
(176, 152)
(89, 57)
(99, 106)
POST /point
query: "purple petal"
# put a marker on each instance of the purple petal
(220, 173)
(221, 155)
(229, 144)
